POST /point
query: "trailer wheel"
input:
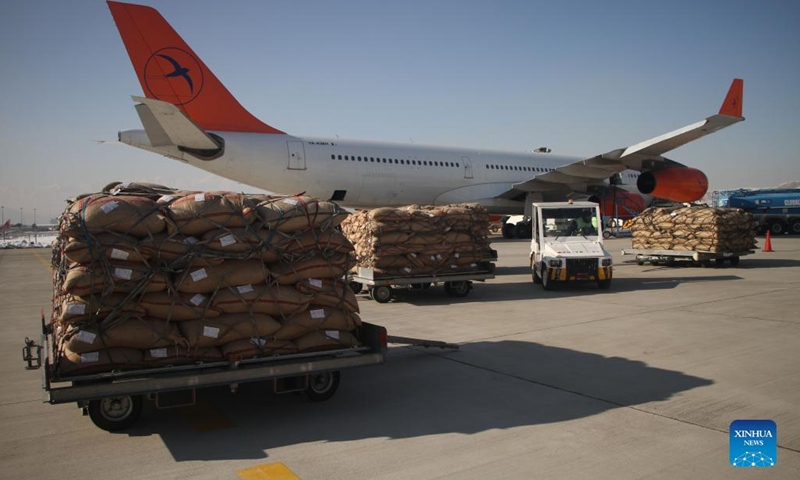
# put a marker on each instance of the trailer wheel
(547, 284)
(719, 261)
(322, 386)
(458, 289)
(381, 294)
(734, 261)
(356, 287)
(114, 414)
(639, 260)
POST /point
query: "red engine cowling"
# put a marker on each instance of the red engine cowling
(679, 184)
(620, 204)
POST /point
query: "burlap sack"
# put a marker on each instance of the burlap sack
(316, 318)
(213, 332)
(180, 355)
(134, 216)
(118, 277)
(318, 266)
(325, 340)
(230, 273)
(274, 300)
(299, 212)
(329, 292)
(261, 243)
(76, 309)
(199, 213)
(257, 347)
(178, 306)
(108, 245)
(130, 332)
(72, 363)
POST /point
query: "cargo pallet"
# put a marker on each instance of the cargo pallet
(381, 287)
(114, 400)
(696, 257)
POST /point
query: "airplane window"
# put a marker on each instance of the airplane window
(457, 165)
(333, 157)
(340, 157)
(402, 162)
(371, 159)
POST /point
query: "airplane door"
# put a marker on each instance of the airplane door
(467, 167)
(297, 156)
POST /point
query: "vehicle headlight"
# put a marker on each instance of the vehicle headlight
(606, 262)
(554, 263)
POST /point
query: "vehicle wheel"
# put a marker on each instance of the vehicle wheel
(604, 284)
(705, 263)
(777, 228)
(639, 260)
(547, 284)
(606, 234)
(734, 261)
(356, 287)
(536, 278)
(458, 289)
(794, 228)
(509, 230)
(114, 414)
(382, 294)
(719, 261)
(322, 386)
(524, 230)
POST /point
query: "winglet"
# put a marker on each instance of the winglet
(170, 71)
(732, 106)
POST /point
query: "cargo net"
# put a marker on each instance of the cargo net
(421, 240)
(148, 276)
(696, 228)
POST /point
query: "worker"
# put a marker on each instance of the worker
(583, 225)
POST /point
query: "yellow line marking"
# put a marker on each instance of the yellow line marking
(41, 258)
(267, 471)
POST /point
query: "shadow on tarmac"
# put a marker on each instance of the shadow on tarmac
(484, 386)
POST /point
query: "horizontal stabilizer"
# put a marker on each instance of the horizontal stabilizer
(166, 125)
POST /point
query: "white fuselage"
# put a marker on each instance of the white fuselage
(370, 174)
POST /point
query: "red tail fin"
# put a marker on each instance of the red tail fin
(170, 71)
(732, 106)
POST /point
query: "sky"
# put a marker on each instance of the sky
(579, 77)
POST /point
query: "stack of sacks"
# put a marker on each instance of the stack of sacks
(151, 276)
(697, 228)
(421, 240)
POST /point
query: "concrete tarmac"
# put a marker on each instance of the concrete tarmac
(638, 382)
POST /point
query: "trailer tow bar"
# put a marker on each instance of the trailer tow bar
(418, 342)
(34, 361)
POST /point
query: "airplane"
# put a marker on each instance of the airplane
(190, 116)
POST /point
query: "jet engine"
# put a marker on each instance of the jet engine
(618, 203)
(678, 184)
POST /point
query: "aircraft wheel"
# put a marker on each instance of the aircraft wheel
(777, 228)
(794, 228)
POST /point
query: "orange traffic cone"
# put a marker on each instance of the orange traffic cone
(768, 242)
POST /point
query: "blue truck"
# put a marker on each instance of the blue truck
(776, 210)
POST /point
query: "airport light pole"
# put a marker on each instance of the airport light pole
(3, 221)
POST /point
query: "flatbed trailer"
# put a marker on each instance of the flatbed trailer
(114, 400)
(456, 284)
(670, 257)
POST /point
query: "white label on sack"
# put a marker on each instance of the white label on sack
(212, 332)
(166, 199)
(245, 289)
(473, 265)
(407, 269)
(200, 197)
(86, 337)
(109, 207)
(197, 300)
(76, 308)
(258, 341)
(90, 357)
(123, 273)
(457, 255)
(190, 240)
(227, 240)
(291, 201)
(158, 352)
(317, 314)
(438, 256)
(315, 283)
(119, 254)
(198, 275)
(413, 255)
(453, 266)
(334, 334)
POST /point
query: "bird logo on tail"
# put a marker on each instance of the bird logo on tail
(173, 75)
